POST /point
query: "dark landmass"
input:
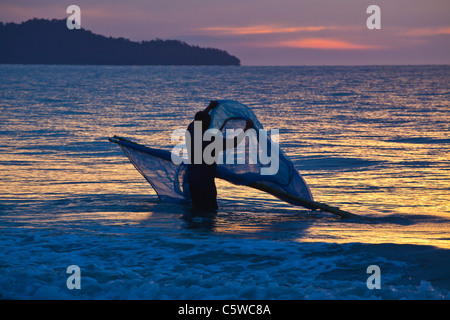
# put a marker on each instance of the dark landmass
(40, 41)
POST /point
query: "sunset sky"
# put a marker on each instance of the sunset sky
(269, 32)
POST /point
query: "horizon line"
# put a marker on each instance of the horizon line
(232, 66)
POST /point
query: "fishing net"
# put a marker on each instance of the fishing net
(268, 169)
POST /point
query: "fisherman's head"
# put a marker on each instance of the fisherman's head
(205, 118)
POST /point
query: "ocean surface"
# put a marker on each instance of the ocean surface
(371, 140)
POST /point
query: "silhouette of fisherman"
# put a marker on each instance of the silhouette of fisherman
(201, 175)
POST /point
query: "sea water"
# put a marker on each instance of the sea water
(371, 140)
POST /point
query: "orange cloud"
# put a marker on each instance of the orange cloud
(426, 32)
(264, 29)
(325, 44)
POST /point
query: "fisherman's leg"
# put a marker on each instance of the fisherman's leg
(196, 195)
(209, 197)
(202, 188)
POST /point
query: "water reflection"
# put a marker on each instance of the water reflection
(372, 140)
(195, 221)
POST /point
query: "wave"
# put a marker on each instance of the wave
(135, 264)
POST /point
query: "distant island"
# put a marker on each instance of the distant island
(41, 41)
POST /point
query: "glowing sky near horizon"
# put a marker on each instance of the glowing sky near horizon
(263, 32)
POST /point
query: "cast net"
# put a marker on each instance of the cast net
(250, 164)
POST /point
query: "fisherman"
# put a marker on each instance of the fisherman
(200, 174)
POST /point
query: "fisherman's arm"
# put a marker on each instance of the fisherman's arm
(211, 106)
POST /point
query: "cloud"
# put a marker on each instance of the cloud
(278, 36)
(424, 32)
(264, 29)
(324, 44)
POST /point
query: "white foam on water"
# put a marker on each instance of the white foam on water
(138, 263)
